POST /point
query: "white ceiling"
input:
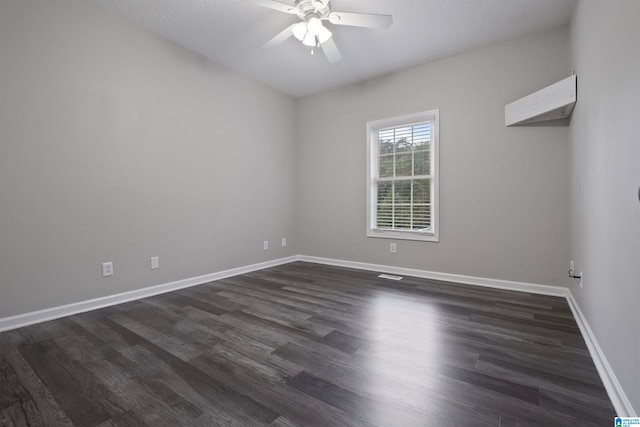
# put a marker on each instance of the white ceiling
(230, 32)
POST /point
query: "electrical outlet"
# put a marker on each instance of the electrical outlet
(393, 248)
(284, 242)
(107, 269)
(155, 262)
(265, 245)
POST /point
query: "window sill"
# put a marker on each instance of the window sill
(404, 235)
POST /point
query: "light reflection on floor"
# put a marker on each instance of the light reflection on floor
(404, 338)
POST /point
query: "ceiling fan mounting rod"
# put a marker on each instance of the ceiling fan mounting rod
(310, 15)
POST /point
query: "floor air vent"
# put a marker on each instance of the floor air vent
(390, 277)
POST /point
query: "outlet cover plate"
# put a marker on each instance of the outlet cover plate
(107, 269)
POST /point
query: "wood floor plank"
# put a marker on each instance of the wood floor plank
(122, 378)
(306, 344)
(302, 409)
(221, 406)
(376, 380)
(226, 399)
(17, 406)
(48, 408)
(371, 410)
(282, 422)
(82, 396)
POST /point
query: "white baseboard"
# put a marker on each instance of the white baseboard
(531, 288)
(33, 317)
(618, 398)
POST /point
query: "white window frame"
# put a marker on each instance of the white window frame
(373, 128)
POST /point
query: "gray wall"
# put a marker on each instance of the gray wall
(118, 146)
(503, 191)
(605, 175)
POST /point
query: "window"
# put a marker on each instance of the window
(402, 181)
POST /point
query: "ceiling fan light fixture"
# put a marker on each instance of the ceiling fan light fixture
(309, 40)
(300, 30)
(324, 35)
(314, 26)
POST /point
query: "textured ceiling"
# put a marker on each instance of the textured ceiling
(230, 32)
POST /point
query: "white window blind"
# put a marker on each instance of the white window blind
(402, 179)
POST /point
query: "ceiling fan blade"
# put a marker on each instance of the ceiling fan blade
(281, 37)
(275, 5)
(367, 20)
(331, 50)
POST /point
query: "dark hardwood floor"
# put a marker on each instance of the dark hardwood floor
(307, 345)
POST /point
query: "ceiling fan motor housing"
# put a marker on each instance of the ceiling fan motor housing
(308, 9)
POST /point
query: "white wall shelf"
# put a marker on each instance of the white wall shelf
(551, 103)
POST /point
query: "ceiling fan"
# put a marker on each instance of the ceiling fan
(311, 31)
